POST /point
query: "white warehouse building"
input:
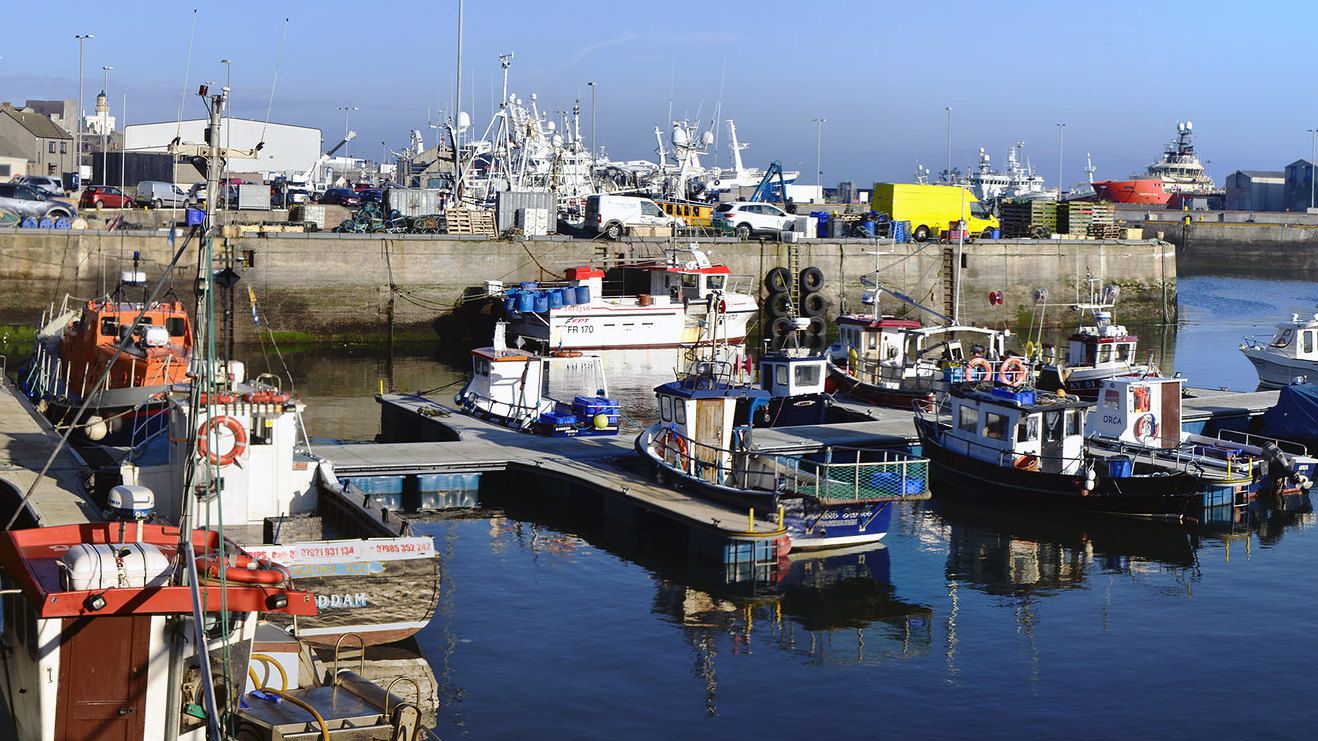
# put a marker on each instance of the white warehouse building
(288, 149)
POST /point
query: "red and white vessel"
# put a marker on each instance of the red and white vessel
(1178, 173)
(688, 301)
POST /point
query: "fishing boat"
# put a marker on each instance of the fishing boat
(1025, 446)
(96, 627)
(1097, 351)
(686, 300)
(1139, 420)
(1291, 353)
(517, 389)
(247, 442)
(704, 443)
(114, 355)
(797, 381)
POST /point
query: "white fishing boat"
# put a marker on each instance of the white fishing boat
(689, 302)
(1290, 354)
(1097, 351)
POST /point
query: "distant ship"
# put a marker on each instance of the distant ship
(1178, 173)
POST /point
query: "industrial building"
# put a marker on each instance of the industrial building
(1299, 188)
(287, 149)
(1256, 190)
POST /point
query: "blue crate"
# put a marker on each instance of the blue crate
(1024, 398)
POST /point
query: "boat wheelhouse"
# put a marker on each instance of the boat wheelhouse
(797, 389)
(1290, 355)
(704, 442)
(683, 299)
(1027, 447)
(77, 355)
(90, 615)
(890, 361)
(561, 394)
(1096, 352)
(1139, 420)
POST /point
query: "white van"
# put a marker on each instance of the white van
(613, 215)
(158, 194)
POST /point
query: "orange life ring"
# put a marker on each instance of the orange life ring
(986, 370)
(265, 397)
(239, 440)
(722, 306)
(205, 398)
(1012, 372)
(241, 567)
(674, 441)
(1026, 463)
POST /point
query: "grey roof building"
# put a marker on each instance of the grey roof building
(46, 146)
(1256, 190)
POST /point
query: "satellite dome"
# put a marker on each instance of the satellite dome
(680, 138)
(707, 138)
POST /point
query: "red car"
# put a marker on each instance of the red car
(104, 196)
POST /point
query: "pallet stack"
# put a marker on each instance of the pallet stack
(1028, 218)
(1075, 218)
(1106, 231)
(468, 221)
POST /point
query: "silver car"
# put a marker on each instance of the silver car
(51, 186)
(24, 200)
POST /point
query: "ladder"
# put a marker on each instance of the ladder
(794, 275)
(949, 279)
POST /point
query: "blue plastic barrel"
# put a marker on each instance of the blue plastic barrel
(583, 294)
(867, 226)
(821, 229)
(542, 302)
(530, 286)
(525, 301)
(569, 296)
(510, 303)
(997, 234)
(555, 298)
(46, 223)
(28, 222)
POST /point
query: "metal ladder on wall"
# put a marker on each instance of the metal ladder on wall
(949, 279)
(793, 281)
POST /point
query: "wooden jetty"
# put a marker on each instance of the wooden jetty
(26, 442)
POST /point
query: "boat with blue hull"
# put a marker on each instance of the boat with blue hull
(704, 443)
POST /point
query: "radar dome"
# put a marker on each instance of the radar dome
(680, 137)
(707, 138)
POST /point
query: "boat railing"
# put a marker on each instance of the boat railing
(1258, 441)
(873, 475)
(523, 414)
(931, 374)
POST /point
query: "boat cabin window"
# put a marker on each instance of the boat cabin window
(480, 367)
(1104, 354)
(967, 418)
(1052, 426)
(109, 326)
(1306, 341)
(176, 325)
(995, 426)
(1073, 422)
(806, 374)
(679, 411)
(1028, 429)
(780, 375)
(1283, 337)
(715, 282)
(1124, 351)
(666, 408)
(690, 280)
(873, 340)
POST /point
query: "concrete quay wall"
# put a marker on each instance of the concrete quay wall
(1239, 248)
(346, 286)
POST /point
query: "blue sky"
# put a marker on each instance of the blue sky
(1118, 73)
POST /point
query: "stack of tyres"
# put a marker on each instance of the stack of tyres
(811, 283)
(778, 282)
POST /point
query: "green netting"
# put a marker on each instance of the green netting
(850, 482)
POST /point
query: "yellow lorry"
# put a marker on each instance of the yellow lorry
(931, 209)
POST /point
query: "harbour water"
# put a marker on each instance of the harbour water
(963, 622)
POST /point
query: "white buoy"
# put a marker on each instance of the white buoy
(95, 429)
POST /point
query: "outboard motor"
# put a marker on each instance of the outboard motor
(1280, 465)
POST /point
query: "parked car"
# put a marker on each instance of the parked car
(613, 215)
(104, 196)
(25, 200)
(370, 195)
(197, 195)
(158, 194)
(341, 197)
(747, 219)
(51, 186)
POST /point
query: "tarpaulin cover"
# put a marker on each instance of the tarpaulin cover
(1295, 416)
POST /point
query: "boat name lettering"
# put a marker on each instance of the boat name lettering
(1111, 419)
(324, 601)
(359, 568)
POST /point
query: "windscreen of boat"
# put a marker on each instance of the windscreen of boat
(1283, 337)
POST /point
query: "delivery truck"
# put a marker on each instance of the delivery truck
(932, 209)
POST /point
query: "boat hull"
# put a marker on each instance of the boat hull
(1275, 369)
(602, 326)
(1172, 497)
(383, 589)
(1143, 191)
(869, 393)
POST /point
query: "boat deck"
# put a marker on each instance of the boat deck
(26, 442)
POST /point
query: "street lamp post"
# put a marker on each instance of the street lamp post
(105, 128)
(77, 125)
(948, 171)
(1061, 137)
(592, 120)
(819, 170)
